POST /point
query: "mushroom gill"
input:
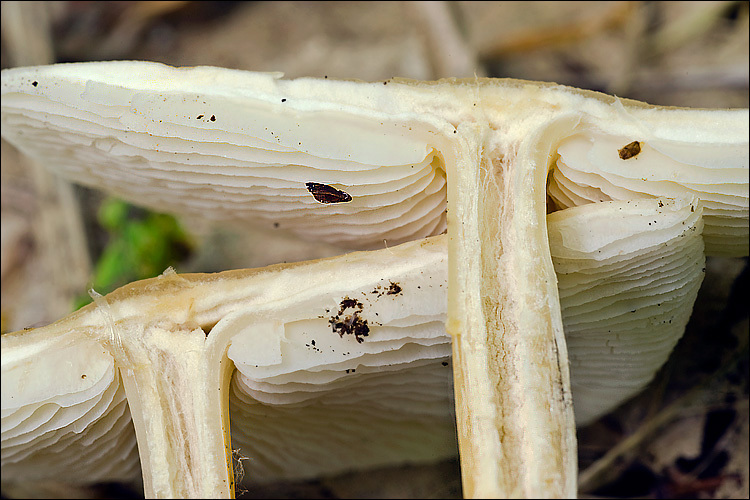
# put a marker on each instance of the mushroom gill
(200, 145)
(589, 169)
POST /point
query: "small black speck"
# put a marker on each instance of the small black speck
(275, 224)
(385, 83)
(312, 342)
(213, 118)
(283, 100)
(325, 76)
(35, 83)
(444, 363)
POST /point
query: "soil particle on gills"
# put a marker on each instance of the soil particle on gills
(348, 321)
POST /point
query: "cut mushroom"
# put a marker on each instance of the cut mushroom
(306, 395)
(245, 147)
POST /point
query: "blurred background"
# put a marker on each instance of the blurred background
(687, 436)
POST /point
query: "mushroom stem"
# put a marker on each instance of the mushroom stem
(514, 409)
(183, 442)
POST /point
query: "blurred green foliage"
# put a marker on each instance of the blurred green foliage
(141, 244)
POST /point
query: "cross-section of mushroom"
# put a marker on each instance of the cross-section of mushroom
(201, 146)
(311, 397)
(350, 340)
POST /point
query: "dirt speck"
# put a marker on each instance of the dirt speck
(348, 321)
(391, 289)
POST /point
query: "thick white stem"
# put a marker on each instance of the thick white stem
(513, 404)
(177, 393)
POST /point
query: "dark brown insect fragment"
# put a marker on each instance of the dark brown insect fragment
(327, 194)
(630, 150)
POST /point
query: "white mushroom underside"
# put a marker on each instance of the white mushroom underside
(240, 147)
(589, 170)
(234, 158)
(84, 436)
(300, 409)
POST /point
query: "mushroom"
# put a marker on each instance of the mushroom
(305, 394)
(241, 146)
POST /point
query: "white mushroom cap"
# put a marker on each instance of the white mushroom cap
(233, 146)
(240, 146)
